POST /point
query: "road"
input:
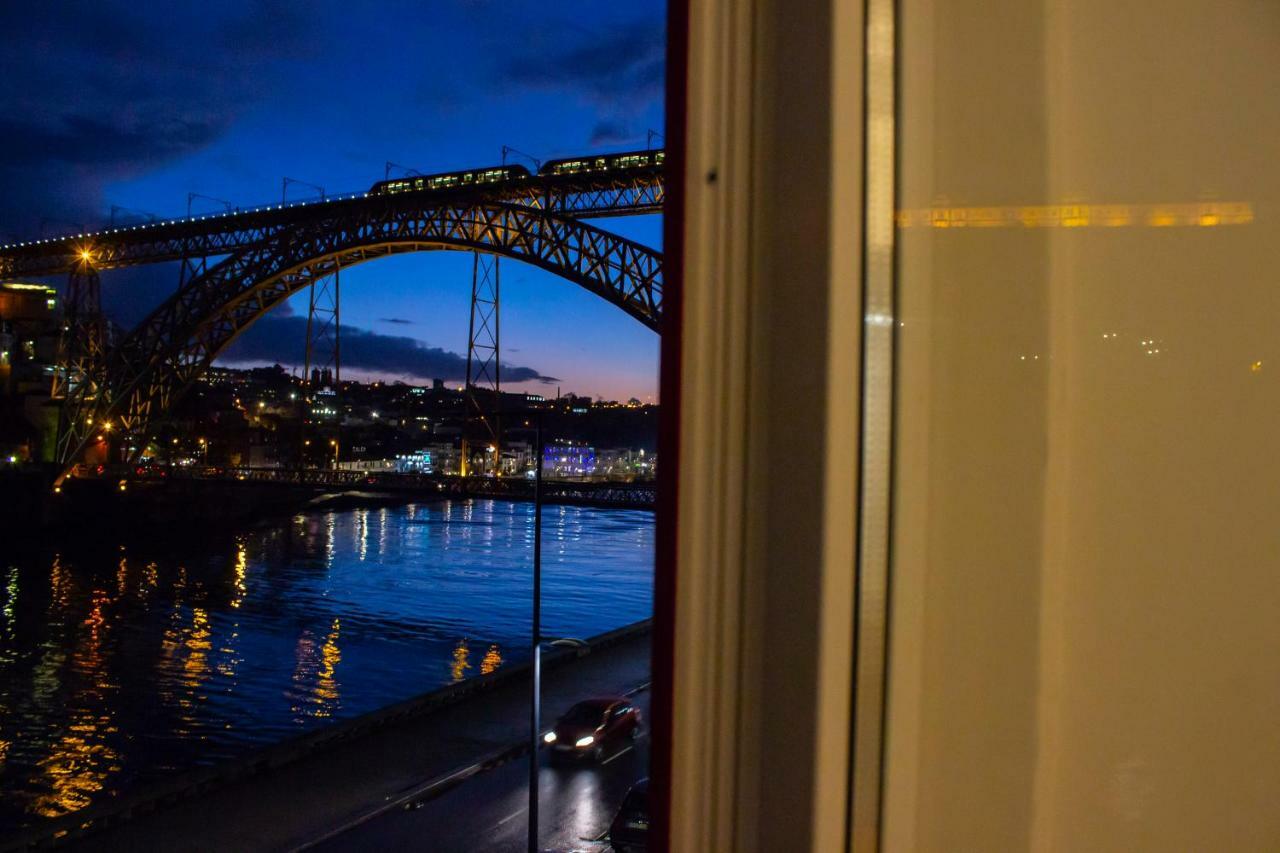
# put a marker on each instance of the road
(489, 812)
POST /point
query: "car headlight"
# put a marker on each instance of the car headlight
(549, 737)
(585, 741)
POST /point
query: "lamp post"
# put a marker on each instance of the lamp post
(535, 709)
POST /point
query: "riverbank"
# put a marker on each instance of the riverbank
(95, 507)
(295, 793)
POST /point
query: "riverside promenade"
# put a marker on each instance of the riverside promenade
(297, 793)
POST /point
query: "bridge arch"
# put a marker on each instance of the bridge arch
(157, 362)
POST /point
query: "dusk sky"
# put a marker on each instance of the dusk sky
(138, 104)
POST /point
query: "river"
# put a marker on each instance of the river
(123, 661)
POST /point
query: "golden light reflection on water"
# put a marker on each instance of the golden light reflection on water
(197, 643)
(78, 765)
(315, 674)
(10, 605)
(241, 572)
(59, 585)
(492, 660)
(184, 649)
(326, 691)
(460, 665)
(80, 759)
(122, 575)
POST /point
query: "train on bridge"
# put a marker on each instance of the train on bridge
(591, 165)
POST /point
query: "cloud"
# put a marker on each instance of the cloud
(609, 132)
(397, 320)
(98, 91)
(282, 339)
(621, 72)
(626, 63)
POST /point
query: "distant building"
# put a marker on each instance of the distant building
(373, 465)
(322, 378)
(30, 320)
(563, 458)
(417, 462)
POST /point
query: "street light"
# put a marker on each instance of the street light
(535, 711)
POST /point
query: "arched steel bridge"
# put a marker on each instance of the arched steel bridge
(253, 260)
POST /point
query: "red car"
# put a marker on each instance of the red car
(592, 727)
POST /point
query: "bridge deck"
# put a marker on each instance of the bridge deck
(618, 193)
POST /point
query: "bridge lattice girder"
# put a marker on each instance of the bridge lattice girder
(159, 360)
(631, 193)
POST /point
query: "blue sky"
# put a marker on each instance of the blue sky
(137, 104)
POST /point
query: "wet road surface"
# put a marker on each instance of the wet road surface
(489, 812)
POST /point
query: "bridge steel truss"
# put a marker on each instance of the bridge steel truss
(191, 240)
(140, 380)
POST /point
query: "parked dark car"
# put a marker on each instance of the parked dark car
(591, 728)
(629, 832)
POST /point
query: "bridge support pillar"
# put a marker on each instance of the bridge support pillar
(322, 369)
(482, 431)
(81, 353)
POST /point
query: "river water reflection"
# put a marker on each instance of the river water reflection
(122, 662)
